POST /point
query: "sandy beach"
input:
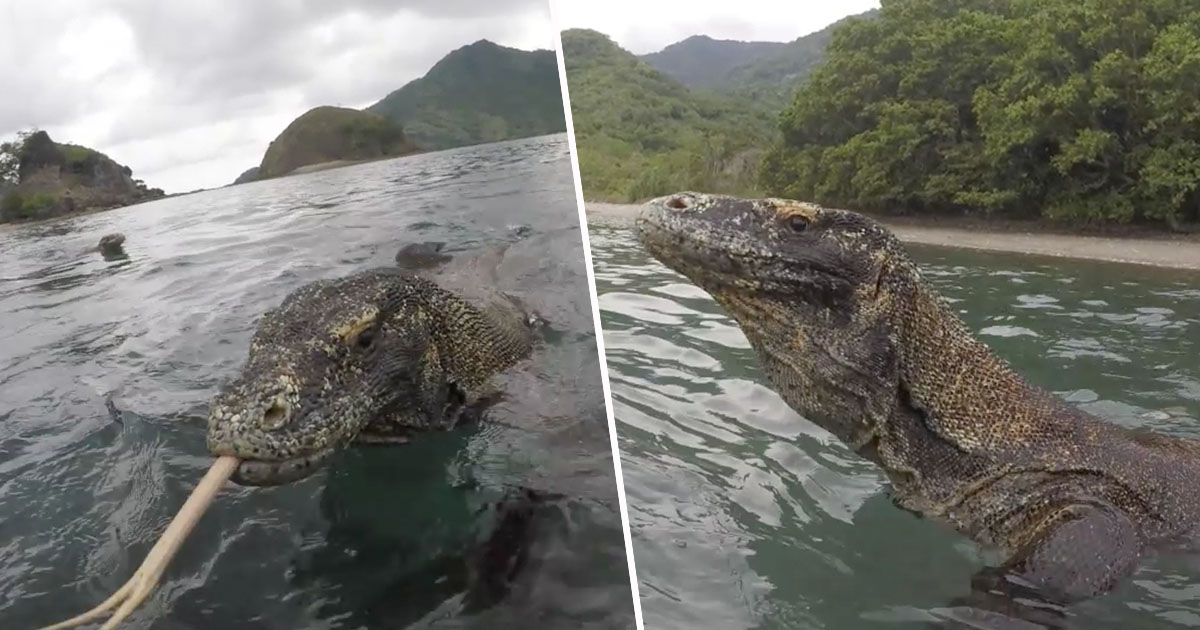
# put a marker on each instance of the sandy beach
(322, 166)
(1176, 253)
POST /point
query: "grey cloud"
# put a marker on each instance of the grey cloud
(30, 92)
(30, 101)
(375, 70)
(207, 63)
(210, 81)
(231, 47)
(131, 125)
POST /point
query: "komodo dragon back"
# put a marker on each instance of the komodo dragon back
(473, 275)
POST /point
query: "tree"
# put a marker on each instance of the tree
(1080, 110)
(10, 158)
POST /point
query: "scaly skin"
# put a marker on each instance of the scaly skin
(857, 342)
(372, 358)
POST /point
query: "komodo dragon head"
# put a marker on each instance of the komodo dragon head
(380, 354)
(815, 290)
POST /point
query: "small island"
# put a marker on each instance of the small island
(43, 179)
(333, 136)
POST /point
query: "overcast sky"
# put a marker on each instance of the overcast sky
(645, 26)
(189, 94)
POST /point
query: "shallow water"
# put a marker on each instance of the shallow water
(377, 539)
(744, 515)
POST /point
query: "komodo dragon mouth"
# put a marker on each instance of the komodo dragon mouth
(376, 357)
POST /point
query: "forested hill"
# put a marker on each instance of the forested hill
(698, 114)
(330, 134)
(773, 78)
(640, 133)
(479, 93)
(1079, 110)
(764, 71)
(703, 62)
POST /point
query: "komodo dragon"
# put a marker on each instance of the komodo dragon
(854, 339)
(375, 357)
(379, 356)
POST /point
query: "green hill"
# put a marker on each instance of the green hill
(774, 77)
(760, 71)
(479, 93)
(641, 133)
(329, 134)
(703, 62)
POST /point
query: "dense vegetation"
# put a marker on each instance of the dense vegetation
(327, 134)
(1080, 110)
(697, 114)
(640, 133)
(479, 93)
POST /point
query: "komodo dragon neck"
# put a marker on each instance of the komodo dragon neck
(969, 396)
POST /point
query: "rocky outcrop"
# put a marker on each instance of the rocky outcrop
(60, 179)
(333, 134)
(247, 175)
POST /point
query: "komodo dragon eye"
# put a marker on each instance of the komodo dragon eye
(797, 223)
(364, 339)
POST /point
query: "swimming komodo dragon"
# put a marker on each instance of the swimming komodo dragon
(377, 357)
(852, 338)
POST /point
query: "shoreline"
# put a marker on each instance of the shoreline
(302, 170)
(321, 166)
(15, 225)
(1166, 251)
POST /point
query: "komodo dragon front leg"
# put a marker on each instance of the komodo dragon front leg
(1082, 551)
(1078, 552)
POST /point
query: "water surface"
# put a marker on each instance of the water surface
(744, 515)
(378, 539)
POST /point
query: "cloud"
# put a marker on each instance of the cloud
(645, 26)
(189, 94)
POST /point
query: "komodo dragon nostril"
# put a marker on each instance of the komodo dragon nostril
(276, 415)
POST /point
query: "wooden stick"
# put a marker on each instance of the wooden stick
(138, 588)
